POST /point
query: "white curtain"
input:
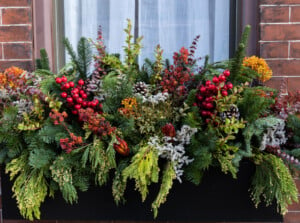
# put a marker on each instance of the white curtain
(170, 23)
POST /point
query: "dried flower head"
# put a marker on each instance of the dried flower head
(260, 66)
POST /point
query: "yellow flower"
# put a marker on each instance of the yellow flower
(260, 66)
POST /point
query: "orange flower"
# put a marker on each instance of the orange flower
(12, 78)
(260, 66)
(130, 104)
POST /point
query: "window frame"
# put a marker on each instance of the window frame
(49, 28)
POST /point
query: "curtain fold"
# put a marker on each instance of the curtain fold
(170, 23)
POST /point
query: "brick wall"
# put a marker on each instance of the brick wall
(280, 40)
(280, 46)
(16, 40)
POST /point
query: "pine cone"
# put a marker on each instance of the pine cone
(94, 86)
(233, 112)
(140, 88)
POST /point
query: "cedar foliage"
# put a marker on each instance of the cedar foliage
(271, 182)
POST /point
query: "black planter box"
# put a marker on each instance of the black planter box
(217, 198)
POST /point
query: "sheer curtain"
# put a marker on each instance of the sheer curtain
(170, 23)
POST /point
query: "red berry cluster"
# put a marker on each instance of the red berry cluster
(177, 75)
(69, 144)
(95, 122)
(207, 94)
(76, 97)
(57, 117)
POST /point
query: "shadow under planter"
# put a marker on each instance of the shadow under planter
(217, 198)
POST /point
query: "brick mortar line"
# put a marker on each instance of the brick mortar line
(279, 5)
(280, 23)
(18, 60)
(15, 7)
(286, 59)
(286, 76)
(289, 50)
(279, 41)
(16, 42)
(2, 50)
(8, 25)
(290, 13)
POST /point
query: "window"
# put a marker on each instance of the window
(170, 23)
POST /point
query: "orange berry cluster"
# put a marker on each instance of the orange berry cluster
(57, 117)
(95, 122)
(69, 144)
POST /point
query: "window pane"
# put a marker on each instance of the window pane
(82, 18)
(174, 24)
(170, 23)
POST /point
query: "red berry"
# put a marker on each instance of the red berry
(64, 79)
(96, 101)
(100, 106)
(229, 85)
(209, 105)
(204, 113)
(194, 104)
(76, 90)
(207, 83)
(200, 98)
(81, 82)
(67, 85)
(81, 92)
(69, 100)
(93, 104)
(79, 100)
(71, 83)
(215, 80)
(222, 78)
(84, 103)
(58, 80)
(64, 95)
(212, 87)
(74, 112)
(202, 89)
(89, 104)
(77, 106)
(84, 96)
(226, 73)
(75, 95)
(224, 93)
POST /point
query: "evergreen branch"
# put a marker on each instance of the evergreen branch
(167, 182)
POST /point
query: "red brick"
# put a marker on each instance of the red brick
(295, 14)
(276, 82)
(292, 217)
(26, 65)
(294, 207)
(297, 181)
(17, 50)
(15, 3)
(295, 50)
(272, 2)
(285, 67)
(274, 50)
(15, 33)
(275, 14)
(280, 32)
(293, 86)
(16, 16)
